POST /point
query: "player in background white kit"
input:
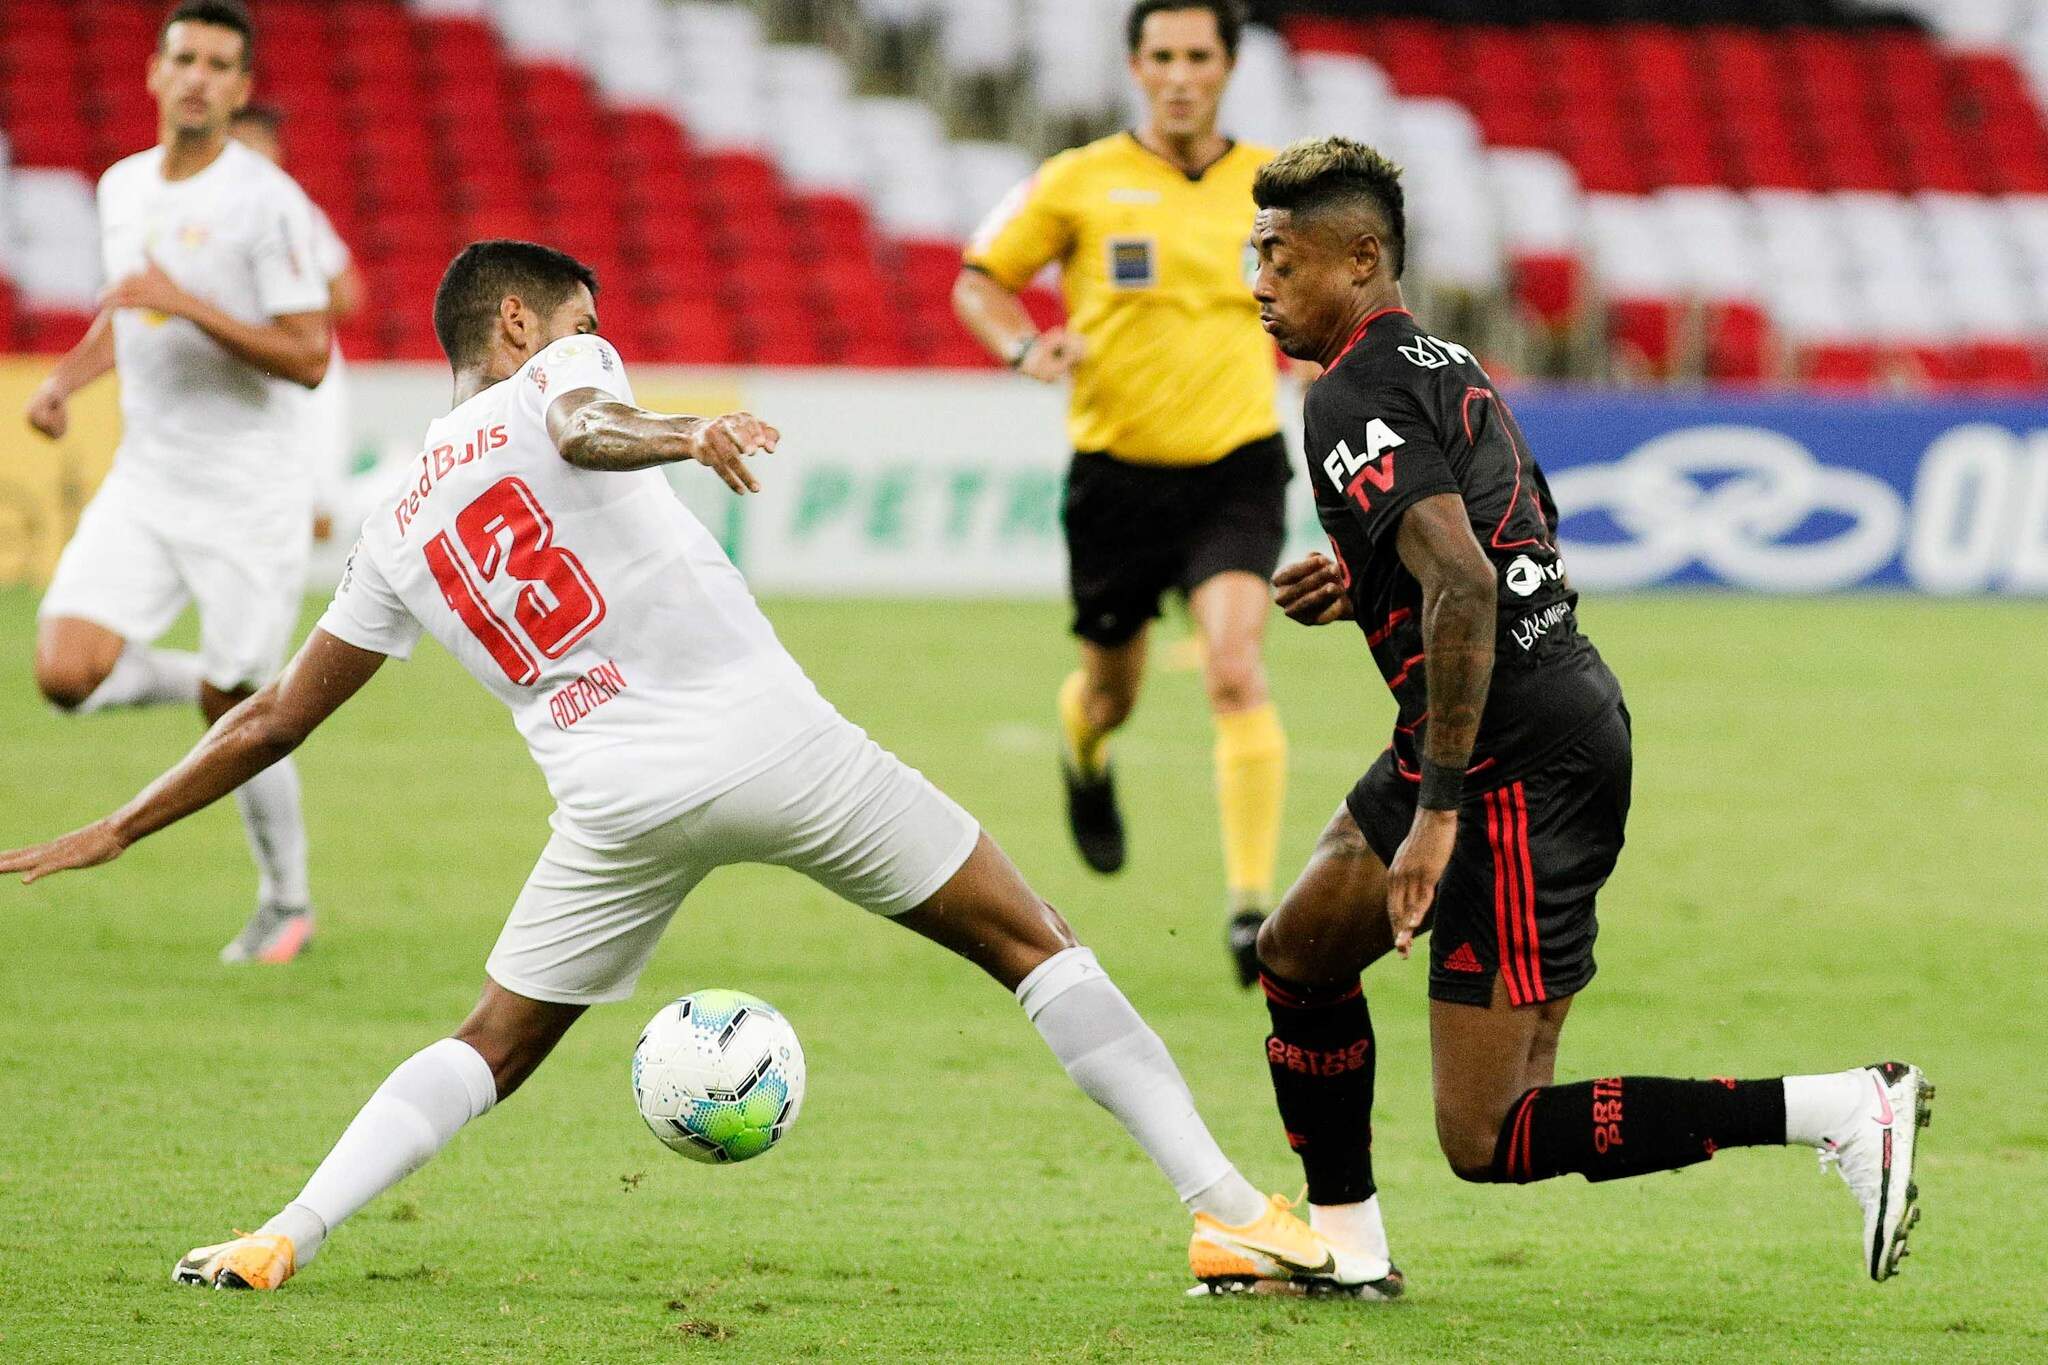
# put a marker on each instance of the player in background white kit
(536, 541)
(325, 426)
(217, 322)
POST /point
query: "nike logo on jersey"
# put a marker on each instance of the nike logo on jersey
(1343, 463)
(1433, 353)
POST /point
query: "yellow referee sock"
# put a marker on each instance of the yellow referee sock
(1087, 747)
(1251, 784)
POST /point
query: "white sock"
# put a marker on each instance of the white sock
(1121, 1065)
(414, 1113)
(1356, 1226)
(147, 677)
(1819, 1109)
(269, 803)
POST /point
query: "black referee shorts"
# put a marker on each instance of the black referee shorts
(1531, 856)
(1135, 532)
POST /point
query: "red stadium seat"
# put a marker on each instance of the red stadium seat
(1547, 287)
(1737, 343)
(1842, 364)
(1643, 335)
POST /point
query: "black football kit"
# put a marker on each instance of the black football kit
(1398, 417)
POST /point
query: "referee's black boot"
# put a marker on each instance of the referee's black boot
(1092, 814)
(1241, 936)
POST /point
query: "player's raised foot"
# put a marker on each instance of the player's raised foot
(1278, 1253)
(1875, 1156)
(274, 933)
(1092, 814)
(1241, 937)
(260, 1260)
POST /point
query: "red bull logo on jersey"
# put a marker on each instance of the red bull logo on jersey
(441, 461)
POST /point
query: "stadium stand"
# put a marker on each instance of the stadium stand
(791, 223)
(1794, 191)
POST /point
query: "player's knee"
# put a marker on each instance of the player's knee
(1110, 706)
(1468, 1148)
(1284, 953)
(66, 684)
(1235, 681)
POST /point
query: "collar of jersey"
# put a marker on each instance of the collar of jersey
(1229, 146)
(1359, 335)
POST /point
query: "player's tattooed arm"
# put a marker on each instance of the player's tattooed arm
(593, 431)
(1459, 606)
(325, 673)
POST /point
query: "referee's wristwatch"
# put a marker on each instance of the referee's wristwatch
(1015, 354)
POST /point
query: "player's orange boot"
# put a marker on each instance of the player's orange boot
(1278, 1253)
(256, 1260)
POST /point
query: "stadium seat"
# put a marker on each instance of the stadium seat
(1776, 175)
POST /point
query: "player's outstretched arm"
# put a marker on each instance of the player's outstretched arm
(325, 673)
(594, 431)
(48, 408)
(1459, 602)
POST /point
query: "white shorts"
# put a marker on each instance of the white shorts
(839, 808)
(125, 569)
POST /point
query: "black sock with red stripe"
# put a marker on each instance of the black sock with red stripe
(1323, 1058)
(1632, 1125)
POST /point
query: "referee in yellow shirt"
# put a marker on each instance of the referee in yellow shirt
(1179, 477)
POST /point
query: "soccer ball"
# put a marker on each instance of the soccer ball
(719, 1076)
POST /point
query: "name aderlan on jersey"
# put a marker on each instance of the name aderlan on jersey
(436, 464)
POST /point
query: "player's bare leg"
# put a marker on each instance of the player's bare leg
(412, 1116)
(1230, 610)
(1482, 1062)
(989, 915)
(1329, 927)
(81, 666)
(1500, 1116)
(1093, 703)
(281, 925)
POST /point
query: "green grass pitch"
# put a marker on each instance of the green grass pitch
(1836, 857)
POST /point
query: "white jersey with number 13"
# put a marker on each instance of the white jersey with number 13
(634, 660)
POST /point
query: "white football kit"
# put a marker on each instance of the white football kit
(209, 497)
(676, 733)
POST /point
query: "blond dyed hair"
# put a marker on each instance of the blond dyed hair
(1324, 172)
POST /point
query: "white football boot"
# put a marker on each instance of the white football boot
(1874, 1151)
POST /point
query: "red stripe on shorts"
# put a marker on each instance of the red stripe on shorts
(1505, 924)
(1532, 944)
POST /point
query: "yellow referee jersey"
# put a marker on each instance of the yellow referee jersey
(1157, 279)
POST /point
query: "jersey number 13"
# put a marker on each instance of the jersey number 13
(506, 533)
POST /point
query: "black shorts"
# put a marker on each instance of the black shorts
(1517, 897)
(1135, 532)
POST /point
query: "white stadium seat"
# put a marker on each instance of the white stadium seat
(980, 37)
(1537, 198)
(1713, 241)
(55, 230)
(1346, 95)
(1263, 102)
(983, 172)
(1628, 248)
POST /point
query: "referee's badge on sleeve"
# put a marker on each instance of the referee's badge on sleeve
(1133, 262)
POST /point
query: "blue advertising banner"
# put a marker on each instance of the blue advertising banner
(1796, 494)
